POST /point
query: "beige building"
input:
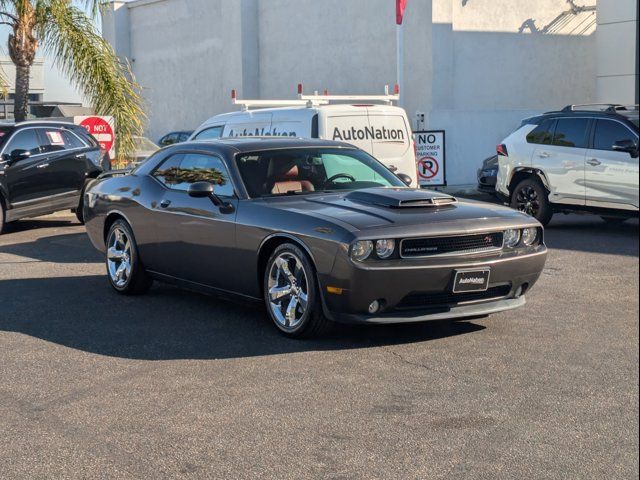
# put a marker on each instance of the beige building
(474, 68)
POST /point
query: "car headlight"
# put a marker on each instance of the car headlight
(529, 236)
(511, 237)
(361, 250)
(385, 248)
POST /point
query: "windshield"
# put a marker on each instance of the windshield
(305, 171)
(143, 143)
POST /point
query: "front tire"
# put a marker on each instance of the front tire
(530, 197)
(291, 293)
(125, 270)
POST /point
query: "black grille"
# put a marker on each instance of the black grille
(424, 247)
(444, 299)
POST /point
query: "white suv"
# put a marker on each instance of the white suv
(576, 159)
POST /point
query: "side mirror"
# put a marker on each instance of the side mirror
(206, 189)
(406, 179)
(200, 189)
(628, 146)
(18, 154)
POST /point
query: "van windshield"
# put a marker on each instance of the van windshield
(311, 170)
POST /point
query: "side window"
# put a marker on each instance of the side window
(542, 134)
(210, 133)
(169, 139)
(180, 171)
(608, 132)
(168, 170)
(571, 132)
(24, 140)
(54, 139)
(71, 140)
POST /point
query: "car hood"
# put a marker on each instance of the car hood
(411, 210)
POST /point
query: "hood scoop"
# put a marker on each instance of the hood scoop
(401, 198)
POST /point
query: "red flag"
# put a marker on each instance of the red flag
(401, 5)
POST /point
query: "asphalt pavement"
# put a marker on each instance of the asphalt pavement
(175, 384)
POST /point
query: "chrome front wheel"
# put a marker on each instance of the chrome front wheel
(288, 290)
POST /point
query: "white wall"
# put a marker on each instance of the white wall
(494, 65)
(617, 32)
(187, 57)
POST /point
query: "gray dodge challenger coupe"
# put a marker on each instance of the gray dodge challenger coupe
(317, 230)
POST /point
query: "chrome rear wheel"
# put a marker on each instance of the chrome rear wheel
(119, 257)
(126, 272)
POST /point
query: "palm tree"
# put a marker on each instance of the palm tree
(68, 34)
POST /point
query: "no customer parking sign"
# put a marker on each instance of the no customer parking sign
(430, 155)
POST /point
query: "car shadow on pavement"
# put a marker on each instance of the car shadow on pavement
(42, 222)
(67, 248)
(169, 323)
(588, 233)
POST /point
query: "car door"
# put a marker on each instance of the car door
(562, 160)
(66, 156)
(28, 180)
(197, 237)
(611, 176)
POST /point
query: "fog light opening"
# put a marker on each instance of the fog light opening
(374, 307)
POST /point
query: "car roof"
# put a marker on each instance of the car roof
(308, 111)
(253, 144)
(623, 115)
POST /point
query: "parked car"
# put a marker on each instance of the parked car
(144, 149)
(317, 230)
(488, 174)
(369, 122)
(44, 167)
(576, 159)
(174, 137)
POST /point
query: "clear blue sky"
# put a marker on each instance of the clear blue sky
(57, 87)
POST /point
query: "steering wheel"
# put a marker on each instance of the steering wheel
(332, 180)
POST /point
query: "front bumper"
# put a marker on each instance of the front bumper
(396, 284)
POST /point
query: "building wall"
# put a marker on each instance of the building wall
(476, 68)
(497, 62)
(617, 32)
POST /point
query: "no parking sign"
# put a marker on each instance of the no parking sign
(430, 155)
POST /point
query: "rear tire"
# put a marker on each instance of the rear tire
(530, 197)
(125, 271)
(291, 293)
(2, 217)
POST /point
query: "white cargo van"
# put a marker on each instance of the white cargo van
(370, 122)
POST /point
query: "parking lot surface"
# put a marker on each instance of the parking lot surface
(177, 384)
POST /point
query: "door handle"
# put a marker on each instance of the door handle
(165, 203)
(593, 162)
(81, 155)
(544, 155)
(43, 165)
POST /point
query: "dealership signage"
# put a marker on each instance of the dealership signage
(430, 155)
(102, 129)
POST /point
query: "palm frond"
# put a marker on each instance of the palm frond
(70, 37)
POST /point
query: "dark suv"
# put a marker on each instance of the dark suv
(44, 167)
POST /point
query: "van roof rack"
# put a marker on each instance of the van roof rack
(317, 99)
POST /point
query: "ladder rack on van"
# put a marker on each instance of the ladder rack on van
(316, 99)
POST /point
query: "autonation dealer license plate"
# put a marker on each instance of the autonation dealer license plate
(475, 280)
